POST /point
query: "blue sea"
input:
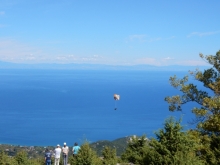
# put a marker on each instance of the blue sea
(49, 107)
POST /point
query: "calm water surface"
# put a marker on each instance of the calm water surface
(47, 107)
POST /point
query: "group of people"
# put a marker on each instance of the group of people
(57, 152)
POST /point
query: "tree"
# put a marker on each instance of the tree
(109, 156)
(173, 146)
(6, 160)
(207, 115)
(86, 156)
(136, 150)
(21, 158)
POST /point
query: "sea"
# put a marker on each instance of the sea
(50, 107)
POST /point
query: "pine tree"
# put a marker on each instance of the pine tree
(136, 150)
(21, 158)
(207, 114)
(173, 146)
(109, 156)
(86, 156)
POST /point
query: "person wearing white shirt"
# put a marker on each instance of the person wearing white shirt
(57, 153)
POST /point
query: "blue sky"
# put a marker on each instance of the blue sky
(115, 32)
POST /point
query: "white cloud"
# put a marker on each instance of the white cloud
(168, 58)
(201, 34)
(93, 58)
(78, 59)
(14, 51)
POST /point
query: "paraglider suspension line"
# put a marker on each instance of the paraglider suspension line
(115, 105)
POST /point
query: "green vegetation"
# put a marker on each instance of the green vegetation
(119, 145)
(136, 150)
(172, 145)
(86, 156)
(207, 115)
(109, 156)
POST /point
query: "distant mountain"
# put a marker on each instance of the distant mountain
(76, 66)
(119, 144)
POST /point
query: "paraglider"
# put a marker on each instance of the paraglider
(116, 98)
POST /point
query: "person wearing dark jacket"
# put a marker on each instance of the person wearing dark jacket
(47, 157)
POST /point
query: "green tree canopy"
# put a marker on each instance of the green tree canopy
(109, 156)
(208, 113)
(86, 156)
(173, 146)
(136, 150)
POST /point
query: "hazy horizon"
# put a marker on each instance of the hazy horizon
(125, 32)
(144, 67)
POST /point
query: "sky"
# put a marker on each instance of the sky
(112, 32)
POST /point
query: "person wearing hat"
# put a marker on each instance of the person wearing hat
(57, 152)
(65, 150)
(47, 157)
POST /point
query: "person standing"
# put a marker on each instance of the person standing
(65, 150)
(75, 149)
(47, 157)
(57, 153)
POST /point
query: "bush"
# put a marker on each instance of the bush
(173, 146)
(109, 156)
(86, 156)
(136, 150)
